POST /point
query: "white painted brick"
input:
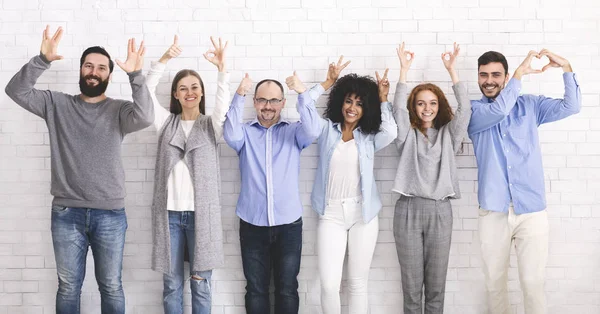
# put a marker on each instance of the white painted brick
(269, 39)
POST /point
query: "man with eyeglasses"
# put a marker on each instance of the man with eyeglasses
(269, 205)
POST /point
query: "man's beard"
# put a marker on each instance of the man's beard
(92, 91)
(493, 97)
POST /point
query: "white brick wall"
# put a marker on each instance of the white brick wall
(269, 38)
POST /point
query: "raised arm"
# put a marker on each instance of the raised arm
(486, 116)
(548, 109)
(138, 114)
(216, 56)
(400, 97)
(458, 125)
(233, 129)
(333, 73)
(310, 121)
(152, 78)
(388, 130)
(21, 87)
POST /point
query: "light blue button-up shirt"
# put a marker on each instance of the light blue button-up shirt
(270, 161)
(505, 138)
(367, 145)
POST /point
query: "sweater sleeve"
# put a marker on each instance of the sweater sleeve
(459, 124)
(138, 114)
(21, 87)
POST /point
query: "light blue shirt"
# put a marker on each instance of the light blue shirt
(367, 145)
(270, 161)
(505, 138)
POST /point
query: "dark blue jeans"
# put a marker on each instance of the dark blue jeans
(73, 231)
(265, 248)
(181, 228)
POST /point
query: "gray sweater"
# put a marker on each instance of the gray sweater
(427, 165)
(85, 138)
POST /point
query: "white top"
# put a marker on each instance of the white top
(344, 172)
(180, 191)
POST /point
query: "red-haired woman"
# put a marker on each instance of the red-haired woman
(429, 136)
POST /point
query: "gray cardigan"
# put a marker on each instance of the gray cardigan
(201, 155)
(427, 166)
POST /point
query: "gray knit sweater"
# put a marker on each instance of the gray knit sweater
(85, 138)
(427, 165)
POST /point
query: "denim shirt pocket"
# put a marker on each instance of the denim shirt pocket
(520, 126)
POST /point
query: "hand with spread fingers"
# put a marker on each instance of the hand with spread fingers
(406, 58)
(294, 83)
(384, 86)
(525, 66)
(245, 86)
(449, 59)
(333, 72)
(173, 52)
(135, 57)
(49, 48)
(556, 61)
(216, 55)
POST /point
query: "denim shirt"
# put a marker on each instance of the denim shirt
(507, 147)
(367, 145)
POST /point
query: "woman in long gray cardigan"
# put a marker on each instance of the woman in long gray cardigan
(429, 136)
(186, 210)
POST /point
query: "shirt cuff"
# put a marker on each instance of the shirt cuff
(238, 100)
(159, 66)
(570, 76)
(223, 77)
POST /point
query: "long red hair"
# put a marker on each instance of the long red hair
(444, 114)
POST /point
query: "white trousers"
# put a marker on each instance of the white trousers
(341, 225)
(529, 233)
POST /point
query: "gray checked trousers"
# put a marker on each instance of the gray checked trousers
(423, 231)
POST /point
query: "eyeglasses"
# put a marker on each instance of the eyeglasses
(264, 101)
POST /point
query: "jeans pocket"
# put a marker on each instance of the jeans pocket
(59, 209)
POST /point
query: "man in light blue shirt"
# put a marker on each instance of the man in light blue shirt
(269, 204)
(511, 193)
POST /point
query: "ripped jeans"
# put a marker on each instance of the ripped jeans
(181, 226)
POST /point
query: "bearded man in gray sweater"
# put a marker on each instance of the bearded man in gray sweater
(88, 179)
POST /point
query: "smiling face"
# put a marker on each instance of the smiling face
(189, 93)
(268, 102)
(426, 106)
(492, 78)
(352, 110)
(94, 75)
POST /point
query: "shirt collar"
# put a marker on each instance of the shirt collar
(338, 126)
(281, 120)
(486, 100)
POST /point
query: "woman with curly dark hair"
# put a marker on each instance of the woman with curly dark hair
(429, 136)
(358, 122)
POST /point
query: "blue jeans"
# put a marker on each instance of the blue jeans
(181, 228)
(263, 248)
(73, 231)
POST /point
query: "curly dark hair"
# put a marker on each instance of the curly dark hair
(364, 87)
(444, 114)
